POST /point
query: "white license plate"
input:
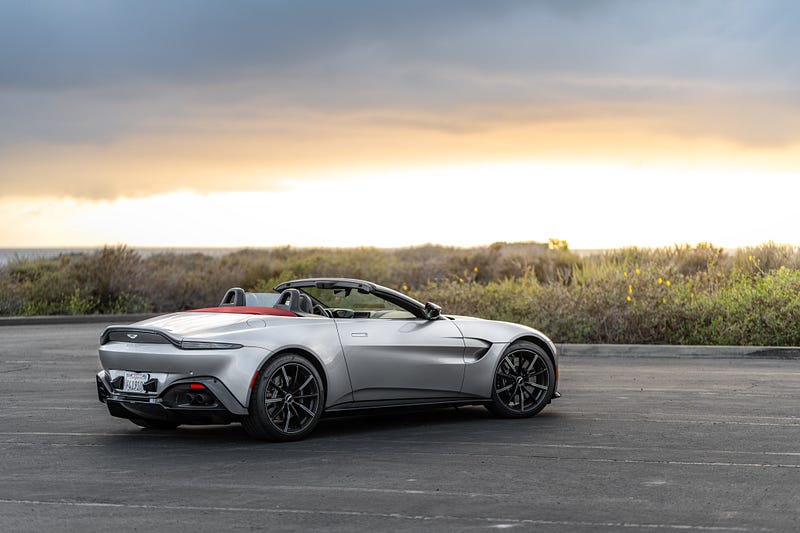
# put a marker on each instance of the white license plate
(134, 381)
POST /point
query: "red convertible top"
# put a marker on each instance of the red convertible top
(245, 310)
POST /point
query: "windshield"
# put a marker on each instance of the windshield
(361, 304)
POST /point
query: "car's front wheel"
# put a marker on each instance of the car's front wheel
(524, 381)
(287, 400)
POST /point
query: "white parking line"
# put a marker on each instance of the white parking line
(300, 448)
(399, 516)
(578, 447)
(721, 420)
(712, 417)
(598, 460)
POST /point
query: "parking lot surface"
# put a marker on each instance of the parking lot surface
(634, 444)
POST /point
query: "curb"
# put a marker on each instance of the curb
(73, 319)
(673, 351)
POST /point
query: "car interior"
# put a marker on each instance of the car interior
(330, 303)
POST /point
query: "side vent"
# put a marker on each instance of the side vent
(475, 349)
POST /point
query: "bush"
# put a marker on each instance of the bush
(677, 295)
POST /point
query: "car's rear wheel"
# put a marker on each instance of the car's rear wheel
(154, 424)
(287, 400)
(524, 381)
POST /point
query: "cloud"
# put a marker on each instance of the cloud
(108, 98)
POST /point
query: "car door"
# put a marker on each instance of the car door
(402, 359)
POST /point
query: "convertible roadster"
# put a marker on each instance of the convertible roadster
(278, 362)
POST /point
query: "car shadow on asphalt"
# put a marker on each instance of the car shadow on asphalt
(402, 421)
(442, 423)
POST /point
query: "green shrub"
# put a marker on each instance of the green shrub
(677, 295)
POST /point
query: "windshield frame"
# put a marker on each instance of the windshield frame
(393, 297)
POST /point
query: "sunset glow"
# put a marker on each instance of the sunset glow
(329, 124)
(596, 206)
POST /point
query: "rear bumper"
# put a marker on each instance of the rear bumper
(218, 405)
(133, 410)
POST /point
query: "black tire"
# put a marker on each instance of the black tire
(154, 424)
(524, 381)
(287, 400)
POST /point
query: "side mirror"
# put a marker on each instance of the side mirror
(432, 311)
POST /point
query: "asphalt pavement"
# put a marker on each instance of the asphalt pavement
(642, 440)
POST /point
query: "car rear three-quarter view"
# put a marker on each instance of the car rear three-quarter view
(278, 362)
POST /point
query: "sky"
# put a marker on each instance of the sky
(199, 123)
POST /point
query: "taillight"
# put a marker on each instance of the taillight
(204, 345)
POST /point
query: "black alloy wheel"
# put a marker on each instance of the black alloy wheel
(287, 400)
(524, 381)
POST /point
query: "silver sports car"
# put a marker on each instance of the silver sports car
(278, 362)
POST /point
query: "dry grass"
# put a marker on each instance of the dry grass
(678, 295)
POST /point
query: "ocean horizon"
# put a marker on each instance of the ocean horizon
(9, 254)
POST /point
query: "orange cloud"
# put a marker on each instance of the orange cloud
(243, 156)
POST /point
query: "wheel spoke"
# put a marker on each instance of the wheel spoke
(505, 388)
(285, 377)
(288, 418)
(306, 409)
(303, 396)
(276, 415)
(297, 416)
(536, 385)
(521, 398)
(533, 396)
(274, 383)
(270, 401)
(303, 386)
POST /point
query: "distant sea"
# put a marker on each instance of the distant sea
(8, 254)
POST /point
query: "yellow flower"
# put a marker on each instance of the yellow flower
(630, 289)
(461, 280)
(669, 283)
(638, 271)
(691, 296)
(663, 300)
(405, 287)
(629, 298)
(625, 274)
(475, 270)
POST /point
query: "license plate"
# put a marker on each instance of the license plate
(134, 381)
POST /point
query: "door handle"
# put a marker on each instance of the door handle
(358, 334)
